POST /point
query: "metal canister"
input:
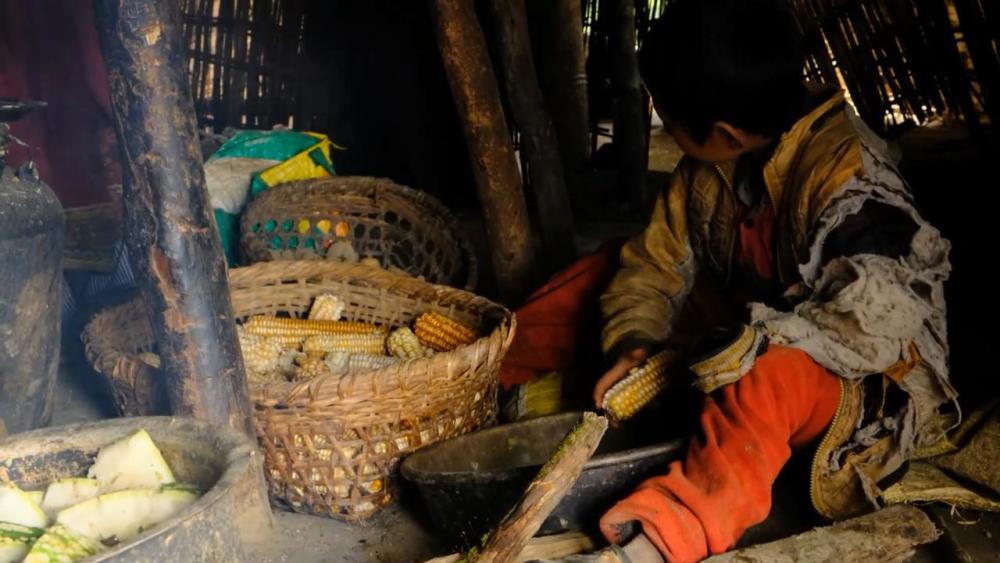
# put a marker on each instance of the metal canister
(31, 240)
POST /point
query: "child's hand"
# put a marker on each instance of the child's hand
(626, 361)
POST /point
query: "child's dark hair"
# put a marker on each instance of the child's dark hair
(738, 61)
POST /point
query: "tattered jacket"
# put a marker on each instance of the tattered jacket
(876, 320)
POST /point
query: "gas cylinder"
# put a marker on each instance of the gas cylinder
(31, 241)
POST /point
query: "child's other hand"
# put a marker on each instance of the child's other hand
(626, 361)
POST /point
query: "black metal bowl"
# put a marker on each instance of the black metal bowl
(469, 483)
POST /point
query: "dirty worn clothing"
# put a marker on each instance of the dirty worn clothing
(857, 313)
(705, 502)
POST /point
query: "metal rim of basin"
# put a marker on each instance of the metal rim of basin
(412, 473)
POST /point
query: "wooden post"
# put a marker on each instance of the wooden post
(557, 44)
(172, 239)
(474, 87)
(539, 136)
(630, 128)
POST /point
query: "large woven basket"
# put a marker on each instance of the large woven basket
(401, 227)
(331, 444)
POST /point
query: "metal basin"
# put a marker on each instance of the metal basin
(220, 461)
(469, 483)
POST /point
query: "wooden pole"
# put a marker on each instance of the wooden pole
(629, 121)
(172, 239)
(539, 136)
(888, 535)
(559, 53)
(474, 87)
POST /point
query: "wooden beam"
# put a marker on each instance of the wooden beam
(474, 87)
(171, 236)
(541, 146)
(887, 536)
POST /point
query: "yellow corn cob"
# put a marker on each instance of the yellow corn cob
(310, 368)
(285, 327)
(260, 353)
(322, 344)
(346, 362)
(441, 333)
(405, 345)
(638, 388)
(371, 261)
(326, 307)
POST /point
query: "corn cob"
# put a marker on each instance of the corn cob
(326, 307)
(638, 388)
(310, 368)
(322, 344)
(346, 362)
(290, 328)
(441, 333)
(405, 345)
(371, 261)
(260, 354)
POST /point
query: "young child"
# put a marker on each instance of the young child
(788, 204)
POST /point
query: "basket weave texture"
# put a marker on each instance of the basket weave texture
(401, 227)
(332, 443)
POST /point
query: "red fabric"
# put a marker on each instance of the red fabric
(755, 243)
(704, 503)
(49, 52)
(558, 318)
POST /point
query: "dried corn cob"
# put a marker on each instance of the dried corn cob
(260, 353)
(322, 344)
(441, 333)
(346, 362)
(405, 345)
(285, 327)
(326, 307)
(638, 388)
(310, 368)
(371, 261)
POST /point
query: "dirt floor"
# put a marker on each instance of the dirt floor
(399, 534)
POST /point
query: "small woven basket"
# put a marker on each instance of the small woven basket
(331, 443)
(400, 227)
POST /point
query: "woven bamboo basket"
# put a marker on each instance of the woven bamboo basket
(400, 227)
(331, 444)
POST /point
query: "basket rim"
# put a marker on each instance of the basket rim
(101, 350)
(420, 197)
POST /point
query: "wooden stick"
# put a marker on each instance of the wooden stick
(887, 536)
(477, 96)
(543, 548)
(543, 494)
(537, 131)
